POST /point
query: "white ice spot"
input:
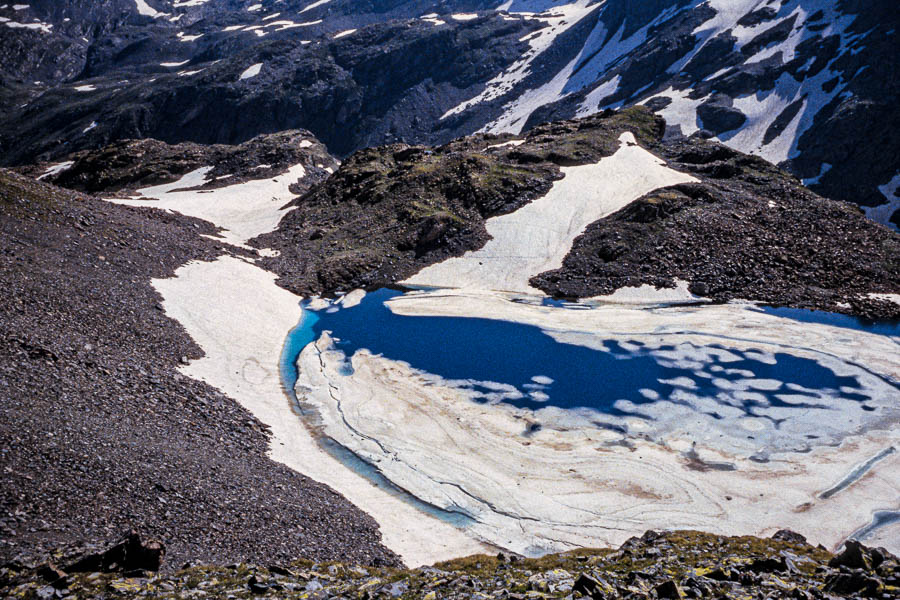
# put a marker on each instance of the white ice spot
(148, 11)
(183, 37)
(815, 180)
(56, 169)
(251, 71)
(344, 33)
(42, 27)
(506, 144)
(315, 5)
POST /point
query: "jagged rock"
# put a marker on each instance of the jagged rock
(854, 556)
(786, 535)
(132, 553)
(768, 565)
(668, 589)
(596, 574)
(852, 584)
(53, 575)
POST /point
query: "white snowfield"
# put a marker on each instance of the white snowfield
(538, 236)
(244, 210)
(56, 169)
(558, 22)
(573, 484)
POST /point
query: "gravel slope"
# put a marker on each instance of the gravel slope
(98, 432)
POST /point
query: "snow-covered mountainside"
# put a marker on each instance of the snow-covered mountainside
(807, 84)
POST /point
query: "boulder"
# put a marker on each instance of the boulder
(131, 553)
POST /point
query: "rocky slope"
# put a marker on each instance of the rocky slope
(808, 85)
(747, 230)
(673, 565)
(99, 431)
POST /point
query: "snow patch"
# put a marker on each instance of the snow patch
(183, 37)
(251, 71)
(57, 168)
(244, 210)
(315, 5)
(537, 237)
(148, 11)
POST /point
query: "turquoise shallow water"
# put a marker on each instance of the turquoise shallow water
(533, 370)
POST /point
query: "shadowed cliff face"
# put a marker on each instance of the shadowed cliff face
(809, 85)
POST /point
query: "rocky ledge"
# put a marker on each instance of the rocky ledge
(129, 165)
(672, 565)
(390, 211)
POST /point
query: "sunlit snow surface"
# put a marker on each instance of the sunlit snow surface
(243, 211)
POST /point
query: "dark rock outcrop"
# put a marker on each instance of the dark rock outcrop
(132, 164)
(132, 553)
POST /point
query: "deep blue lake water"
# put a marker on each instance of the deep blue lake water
(479, 351)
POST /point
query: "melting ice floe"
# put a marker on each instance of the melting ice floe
(570, 482)
(584, 478)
